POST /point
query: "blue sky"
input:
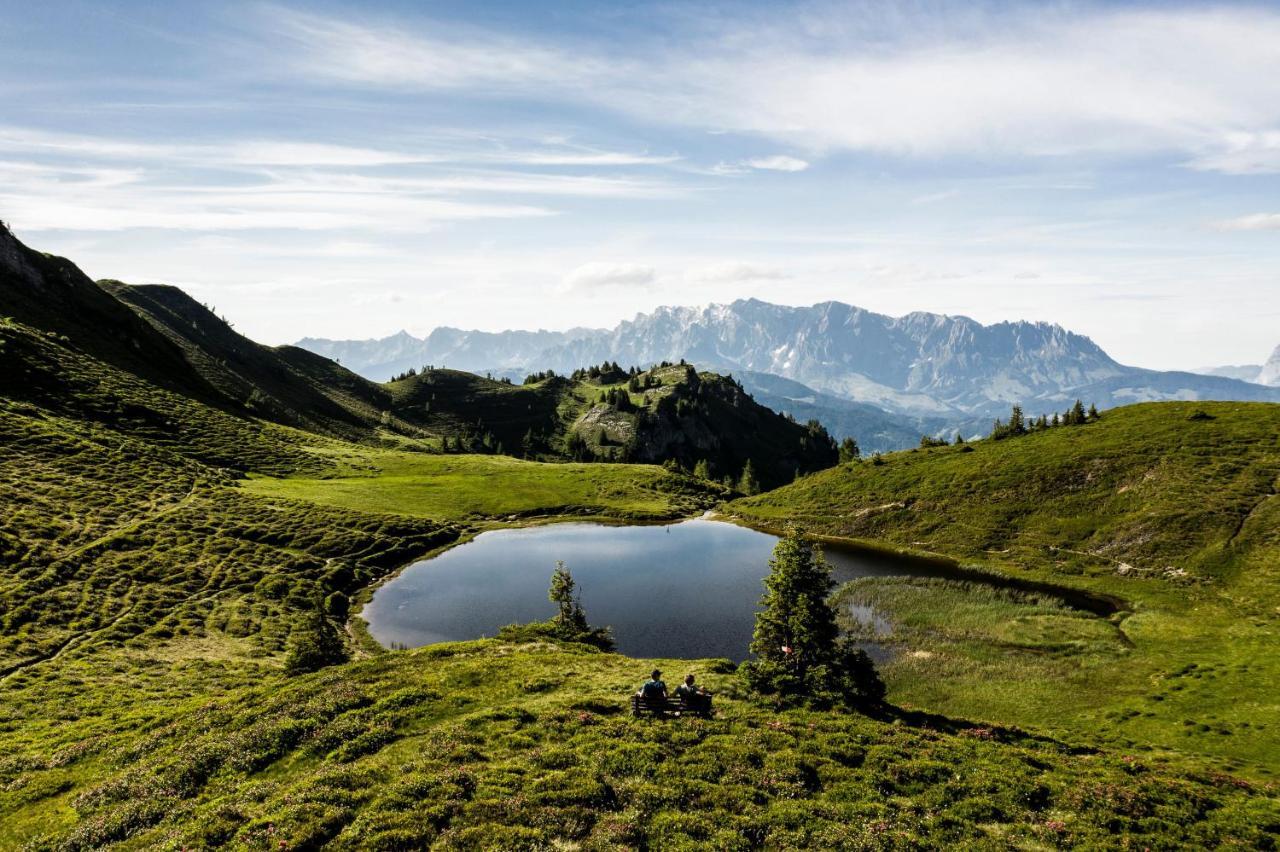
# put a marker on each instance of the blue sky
(347, 170)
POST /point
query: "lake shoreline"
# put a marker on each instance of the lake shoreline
(930, 565)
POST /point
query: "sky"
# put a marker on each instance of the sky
(348, 170)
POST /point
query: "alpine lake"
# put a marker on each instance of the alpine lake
(686, 590)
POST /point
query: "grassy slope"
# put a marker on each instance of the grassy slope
(1175, 515)
(478, 487)
(487, 746)
(146, 597)
(166, 720)
(274, 384)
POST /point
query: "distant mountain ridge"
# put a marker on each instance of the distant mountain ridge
(1261, 374)
(150, 360)
(931, 368)
(1270, 373)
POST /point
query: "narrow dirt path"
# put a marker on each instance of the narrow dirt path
(1235, 534)
(133, 525)
(70, 643)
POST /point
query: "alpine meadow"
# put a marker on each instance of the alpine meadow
(348, 512)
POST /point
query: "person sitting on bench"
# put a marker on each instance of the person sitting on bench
(691, 696)
(654, 688)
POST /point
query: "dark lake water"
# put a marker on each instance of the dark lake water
(682, 590)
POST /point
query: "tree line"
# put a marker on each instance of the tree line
(1018, 424)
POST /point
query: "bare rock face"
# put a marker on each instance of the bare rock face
(1270, 374)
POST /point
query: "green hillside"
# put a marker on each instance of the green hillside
(1169, 508)
(275, 384)
(669, 412)
(105, 350)
(489, 746)
(167, 551)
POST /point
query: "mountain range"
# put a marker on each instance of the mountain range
(1262, 374)
(930, 373)
(153, 359)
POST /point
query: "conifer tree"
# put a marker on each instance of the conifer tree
(747, 483)
(796, 645)
(1017, 423)
(849, 450)
(563, 593)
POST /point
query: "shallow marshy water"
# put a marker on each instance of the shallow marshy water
(685, 590)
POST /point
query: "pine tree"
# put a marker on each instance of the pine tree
(1077, 412)
(796, 647)
(1017, 423)
(1093, 413)
(569, 624)
(747, 483)
(702, 469)
(569, 619)
(959, 439)
(849, 450)
(795, 628)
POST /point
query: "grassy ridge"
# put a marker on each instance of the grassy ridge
(1147, 485)
(1172, 512)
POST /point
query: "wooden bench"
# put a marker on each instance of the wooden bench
(641, 706)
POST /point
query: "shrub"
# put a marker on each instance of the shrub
(313, 644)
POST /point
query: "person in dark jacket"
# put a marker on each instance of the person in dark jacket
(654, 688)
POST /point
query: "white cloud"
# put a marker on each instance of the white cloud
(928, 83)
(779, 163)
(1254, 222)
(448, 58)
(62, 181)
(300, 154)
(45, 203)
(1244, 154)
(731, 272)
(280, 153)
(597, 275)
(587, 158)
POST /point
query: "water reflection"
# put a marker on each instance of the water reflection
(681, 590)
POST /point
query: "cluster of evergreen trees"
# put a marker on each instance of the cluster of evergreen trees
(411, 372)
(617, 398)
(607, 373)
(643, 382)
(473, 439)
(540, 376)
(1018, 423)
